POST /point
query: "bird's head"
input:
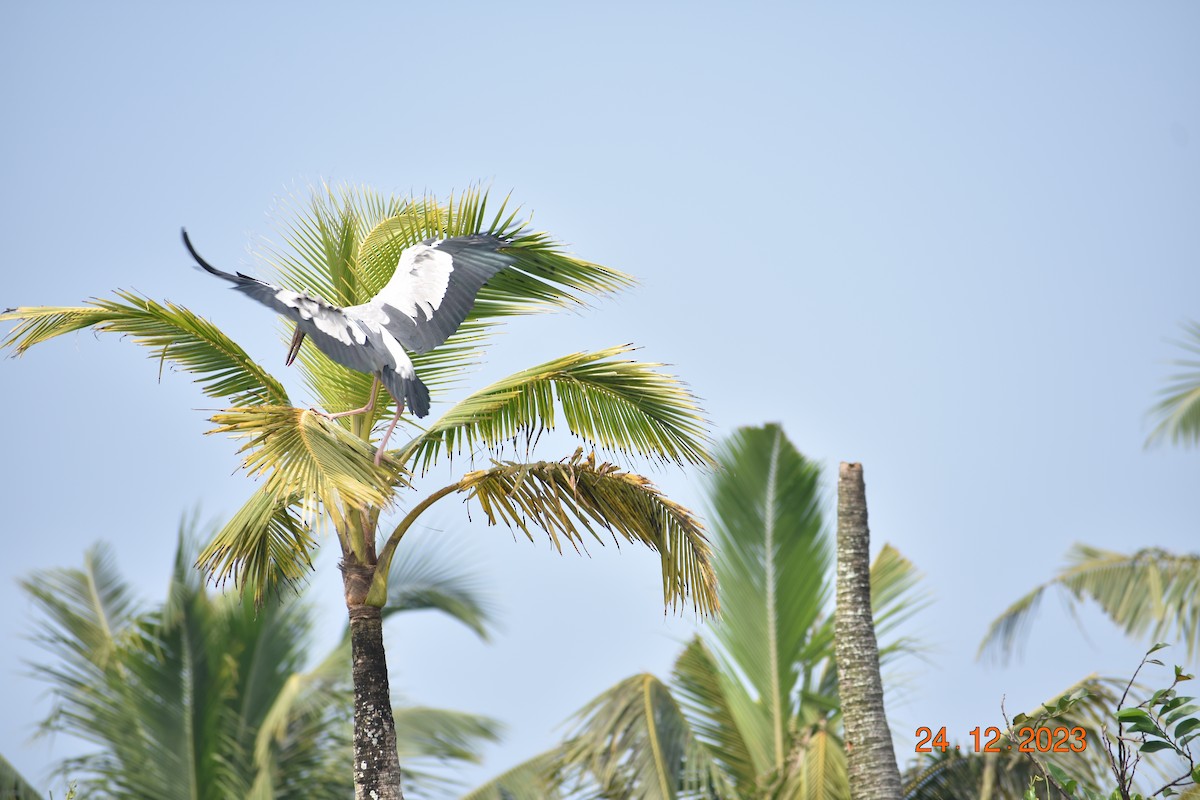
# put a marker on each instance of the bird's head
(294, 347)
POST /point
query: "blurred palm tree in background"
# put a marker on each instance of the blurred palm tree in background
(206, 696)
(751, 708)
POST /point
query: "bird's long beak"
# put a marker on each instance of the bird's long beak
(294, 347)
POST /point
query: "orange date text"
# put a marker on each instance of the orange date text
(992, 740)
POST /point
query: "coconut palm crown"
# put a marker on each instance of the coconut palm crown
(344, 246)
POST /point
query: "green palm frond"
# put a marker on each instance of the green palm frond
(815, 769)
(322, 233)
(172, 333)
(773, 558)
(702, 689)
(429, 577)
(530, 780)
(88, 609)
(570, 497)
(896, 597)
(824, 772)
(612, 403)
(633, 741)
(1151, 594)
(123, 697)
(204, 695)
(13, 785)
(1179, 410)
(302, 454)
(437, 733)
(265, 544)
(302, 696)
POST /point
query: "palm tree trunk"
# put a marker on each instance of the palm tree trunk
(988, 784)
(871, 759)
(376, 764)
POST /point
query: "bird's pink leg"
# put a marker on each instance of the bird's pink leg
(388, 434)
(370, 406)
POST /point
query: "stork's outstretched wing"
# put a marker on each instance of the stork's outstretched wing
(296, 305)
(354, 340)
(434, 288)
(325, 320)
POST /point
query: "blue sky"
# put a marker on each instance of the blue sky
(950, 241)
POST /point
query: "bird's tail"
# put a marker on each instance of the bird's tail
(411, 390)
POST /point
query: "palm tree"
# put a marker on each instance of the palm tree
(344, 247)
(751, 708)
(207, 696)
(872, 768)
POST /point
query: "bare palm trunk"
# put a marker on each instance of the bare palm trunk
(376, 765)
(871, 759)
(989, 776)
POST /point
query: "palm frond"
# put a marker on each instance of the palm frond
(265, 544)
(118, 685)
(302, 696)
(323, 232)
(303, 454)
(773, 558)
(576, 495)
(88, 610)
(896, 597)
(825, 773)
(173, 334)
(815, 770)
(634, 742)
(616, 404)
(426, 577)
(204, 696)
(1150, 593)
(437, 733)
(701, 687)
(530, 780)
(1178, 411)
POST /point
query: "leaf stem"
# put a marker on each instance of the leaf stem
(377, 595)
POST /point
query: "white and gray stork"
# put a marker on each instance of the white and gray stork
(428, 297)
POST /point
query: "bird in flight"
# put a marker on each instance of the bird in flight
(428, 297)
